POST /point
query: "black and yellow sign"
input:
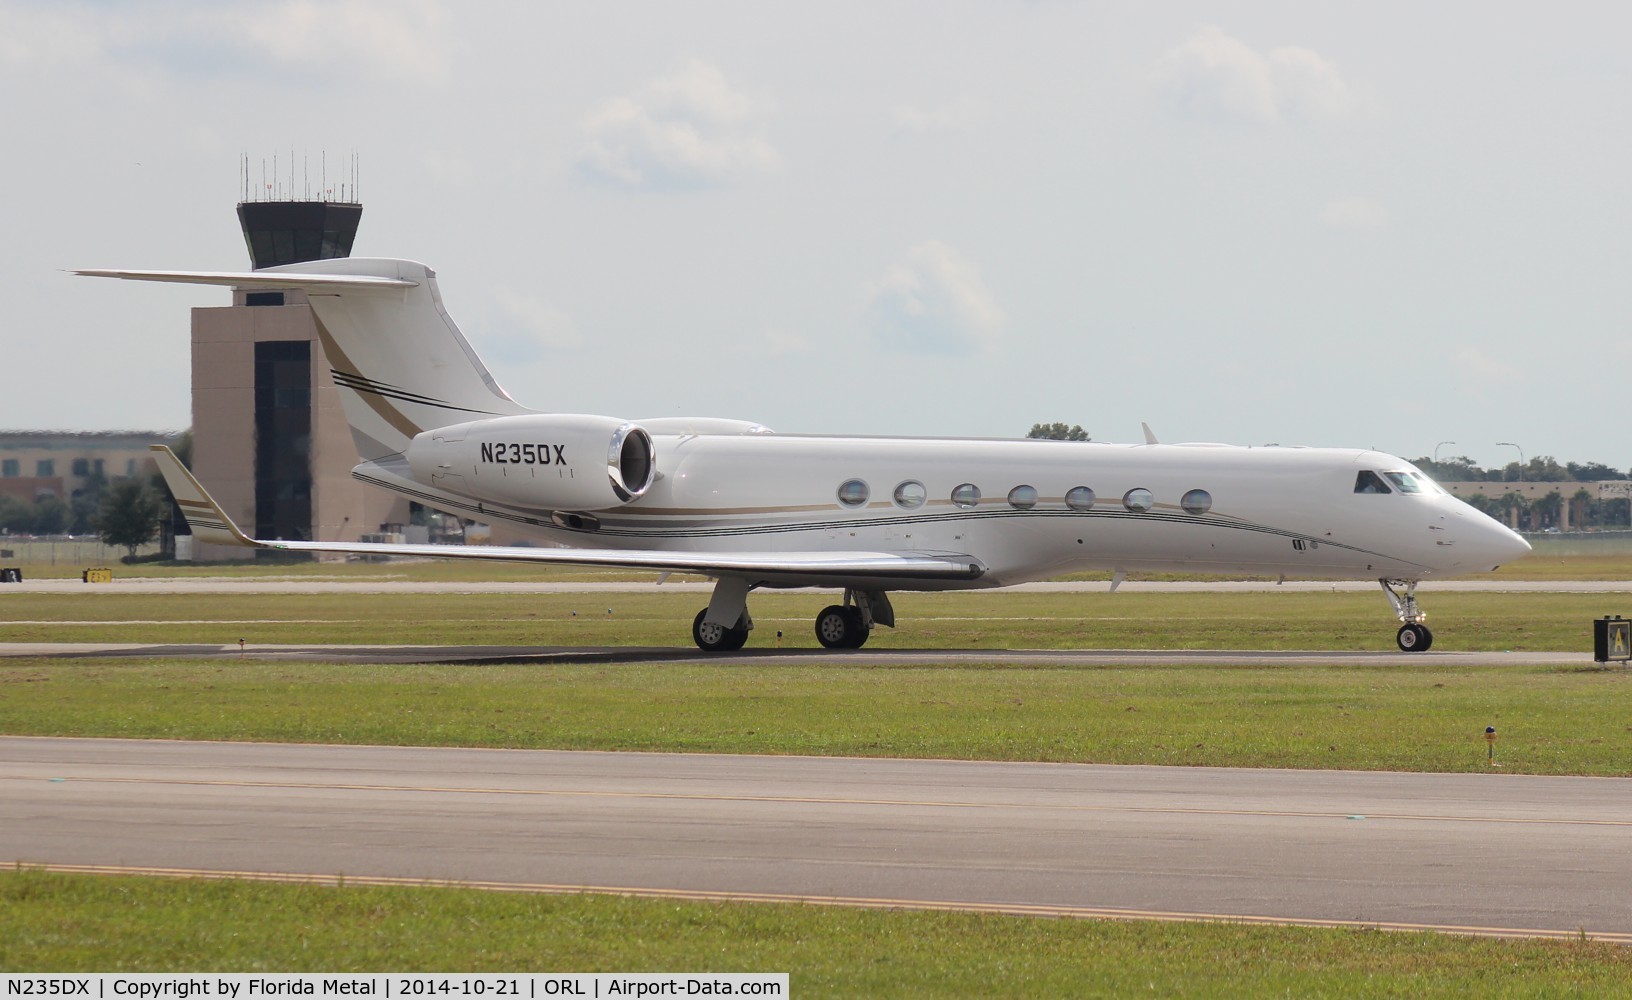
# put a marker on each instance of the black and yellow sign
(1612, 639)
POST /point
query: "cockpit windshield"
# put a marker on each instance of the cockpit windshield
(1369, 482)
(1405, 482)
(1414, 482)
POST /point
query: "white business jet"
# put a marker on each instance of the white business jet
(730, 500)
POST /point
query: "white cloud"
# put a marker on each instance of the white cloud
(318, 41)
(684, 131)
(1353, 212)
(397, 40)
(1309, 87)
(934, 302)
(1212, 76)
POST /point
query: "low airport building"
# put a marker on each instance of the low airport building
(35, 465)
(1572, 497)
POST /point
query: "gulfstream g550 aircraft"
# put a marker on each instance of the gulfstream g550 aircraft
(730, 500)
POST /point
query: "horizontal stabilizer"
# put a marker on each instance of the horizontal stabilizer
(257, 279)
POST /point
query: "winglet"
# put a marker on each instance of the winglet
(209, 522)
(1150, 435)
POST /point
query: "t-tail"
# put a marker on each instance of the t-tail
(398, 359)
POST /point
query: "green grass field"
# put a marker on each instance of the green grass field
(1549, 720)
(74, 923)
(1555, 720)
(658, 617)
(1424, 716)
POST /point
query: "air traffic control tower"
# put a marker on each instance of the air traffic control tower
(270, 441)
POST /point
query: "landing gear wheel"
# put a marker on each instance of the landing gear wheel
(716, 638)
(858, 628)
(1414, 638)
(841, 627)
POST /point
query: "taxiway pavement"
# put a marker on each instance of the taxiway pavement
(1480, 853)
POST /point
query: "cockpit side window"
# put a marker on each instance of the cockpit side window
(1405, 482)
(1369, 482)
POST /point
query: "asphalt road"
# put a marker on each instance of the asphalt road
(1483, 853)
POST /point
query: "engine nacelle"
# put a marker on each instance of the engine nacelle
(542, 461)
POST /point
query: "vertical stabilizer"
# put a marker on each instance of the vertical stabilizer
(401, 364)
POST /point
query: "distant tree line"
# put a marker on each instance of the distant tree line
(1586, 510)
(1541, 469)
(1058, 432)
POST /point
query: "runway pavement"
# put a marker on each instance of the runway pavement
(1479, 853)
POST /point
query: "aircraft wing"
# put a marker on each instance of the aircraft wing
(212, 525)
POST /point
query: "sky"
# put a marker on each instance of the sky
(1394, 225)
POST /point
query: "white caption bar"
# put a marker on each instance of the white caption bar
(392, 985)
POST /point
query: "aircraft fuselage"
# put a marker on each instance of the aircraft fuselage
(1025, 510)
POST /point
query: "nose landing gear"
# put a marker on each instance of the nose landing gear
(1414, 636)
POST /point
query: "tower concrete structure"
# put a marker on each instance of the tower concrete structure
(269, 436)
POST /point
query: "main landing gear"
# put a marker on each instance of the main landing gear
(1414, 636)
(847, 625)
(718, 639)
(839, 626)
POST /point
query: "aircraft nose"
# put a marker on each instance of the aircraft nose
(1493, 543)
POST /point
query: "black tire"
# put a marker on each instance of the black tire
(834, 628)
(713, 638)
(736, 639)
(858, 628)
(1414, 638)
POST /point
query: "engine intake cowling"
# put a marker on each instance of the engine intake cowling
(541, 461)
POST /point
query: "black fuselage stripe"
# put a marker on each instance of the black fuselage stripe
(358, 383)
